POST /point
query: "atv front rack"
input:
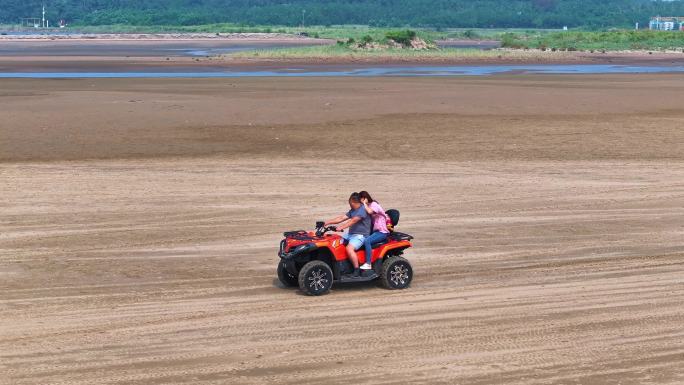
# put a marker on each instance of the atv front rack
(299, 235)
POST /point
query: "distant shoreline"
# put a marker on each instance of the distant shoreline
(95, 56)
(473, 57)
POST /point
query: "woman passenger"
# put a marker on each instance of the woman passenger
(379, 221)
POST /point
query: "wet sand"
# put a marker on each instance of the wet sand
(182, 61)
(141, 219)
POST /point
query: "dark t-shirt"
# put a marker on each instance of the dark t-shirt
(363, 226)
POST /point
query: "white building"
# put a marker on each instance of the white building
(669, 23)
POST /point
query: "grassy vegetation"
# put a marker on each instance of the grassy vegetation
(336, 32)
(341, 32)
(544, 39)
(587, 41)
(346, 52)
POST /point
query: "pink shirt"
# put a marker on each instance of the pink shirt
(379, 218)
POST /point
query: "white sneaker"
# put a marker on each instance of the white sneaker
(366, 266)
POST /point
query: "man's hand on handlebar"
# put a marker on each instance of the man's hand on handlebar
(322, 230)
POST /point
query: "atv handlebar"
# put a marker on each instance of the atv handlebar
(323, 229)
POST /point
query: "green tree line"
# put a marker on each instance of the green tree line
(382, 13)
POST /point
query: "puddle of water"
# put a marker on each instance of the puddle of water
(470, 44)
(319, 71)
(229, 50)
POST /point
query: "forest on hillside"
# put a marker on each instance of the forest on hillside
(390, 13)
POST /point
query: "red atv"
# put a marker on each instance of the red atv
(314, 260)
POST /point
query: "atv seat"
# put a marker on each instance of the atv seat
(378, 244)
(373, 246)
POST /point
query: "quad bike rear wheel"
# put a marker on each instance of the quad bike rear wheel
(397, 273)
(315, 278)
(285, 277)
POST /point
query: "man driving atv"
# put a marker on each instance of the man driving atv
(359, 223)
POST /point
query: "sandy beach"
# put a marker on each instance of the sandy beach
(141, 219)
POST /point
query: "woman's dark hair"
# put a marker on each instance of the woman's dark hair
(355, 197)
(365, 194)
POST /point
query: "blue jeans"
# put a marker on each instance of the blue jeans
(371, 239)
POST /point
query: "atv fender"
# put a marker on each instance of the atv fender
(393, 248)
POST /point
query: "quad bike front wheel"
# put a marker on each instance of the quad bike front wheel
(397, 273)
(315, 278)
(285, 277)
